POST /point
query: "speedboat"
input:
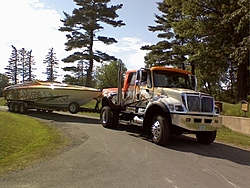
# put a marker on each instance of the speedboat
(50, 95)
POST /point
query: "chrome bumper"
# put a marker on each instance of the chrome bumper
(197, 123)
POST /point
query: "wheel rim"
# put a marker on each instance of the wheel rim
(156, 130)
(21, 108)
(72, 108)
(11, 107)
(16, 107)
(104, 118)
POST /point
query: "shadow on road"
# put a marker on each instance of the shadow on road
(215, 150)
(183, 143)
(64, 117)
(188, 144)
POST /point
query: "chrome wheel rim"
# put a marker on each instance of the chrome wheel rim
(104, 118)
(156, 130)
(72, 108)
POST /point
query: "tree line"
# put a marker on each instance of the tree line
(209, 38)
(21, 66)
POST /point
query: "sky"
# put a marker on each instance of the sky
(34, 24)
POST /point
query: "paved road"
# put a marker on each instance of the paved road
(124, 157)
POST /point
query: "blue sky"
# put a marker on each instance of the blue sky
(33, 24)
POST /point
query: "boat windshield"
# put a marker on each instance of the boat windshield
(171, 79)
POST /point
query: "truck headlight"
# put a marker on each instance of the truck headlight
(176, 108)
(179, 108)
(170, 107)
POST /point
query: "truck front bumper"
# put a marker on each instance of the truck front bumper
(197, 123)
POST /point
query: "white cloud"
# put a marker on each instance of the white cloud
(128, 50)
(29, 24)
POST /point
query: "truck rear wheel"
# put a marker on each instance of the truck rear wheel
(206, 137)
(160, 129)
(107, 117)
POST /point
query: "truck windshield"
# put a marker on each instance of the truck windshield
(171, 79)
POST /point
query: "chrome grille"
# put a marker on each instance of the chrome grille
(199, 103)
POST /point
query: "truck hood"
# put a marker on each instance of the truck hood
(174, 93)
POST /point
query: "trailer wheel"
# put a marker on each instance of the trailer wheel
(206, 137)
(16, 107)
(106, 117)
(11, 107)
(22, 108)
(50, 111)
(74, 108)
(160, 129)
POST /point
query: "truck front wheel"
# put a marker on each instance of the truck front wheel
(160, 129)
(106, 117)
(206, 137)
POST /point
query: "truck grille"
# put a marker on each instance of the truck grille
(199, 103)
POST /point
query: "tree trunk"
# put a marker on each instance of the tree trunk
(242, 77)
(91, 61)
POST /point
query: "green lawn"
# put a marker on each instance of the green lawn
(226, 135)
(233, 110)
(24, 140)
(2, 101)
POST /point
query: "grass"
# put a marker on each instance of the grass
(226, 135)
(233, 110)
(24, 140)
(91, 105)
(2, 101)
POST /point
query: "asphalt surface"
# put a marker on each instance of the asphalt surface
(125, 157)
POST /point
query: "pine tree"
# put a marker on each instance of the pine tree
(82, 27)
(52, 65)
(78, 72)
(166, 51)
(23, 65)
(12, 67)
(30, 63)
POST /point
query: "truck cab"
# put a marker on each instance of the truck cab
(163, 101)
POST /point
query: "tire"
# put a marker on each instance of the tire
(206, 137)
(74, 108)
(107, 117)
(11, 107)
(160, 129)
(22, 108)
(50, 111)
(16, 107)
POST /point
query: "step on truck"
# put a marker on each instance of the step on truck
(162, 101)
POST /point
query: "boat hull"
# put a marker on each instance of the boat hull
(51, 94)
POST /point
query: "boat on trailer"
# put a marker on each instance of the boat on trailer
(48, 96)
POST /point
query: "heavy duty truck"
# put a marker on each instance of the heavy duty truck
(162, 101)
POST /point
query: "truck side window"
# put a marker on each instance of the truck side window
(144, 78)
(132, 82)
